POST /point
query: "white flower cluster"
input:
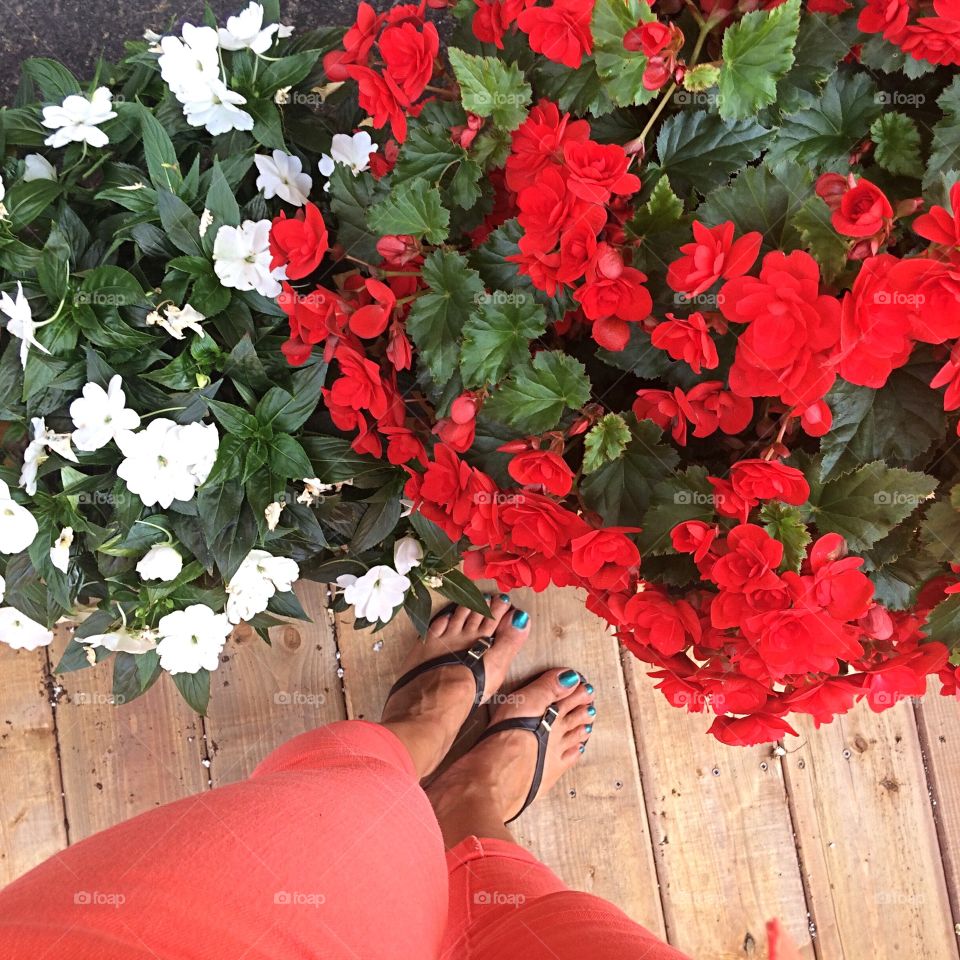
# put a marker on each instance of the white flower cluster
(190, 64)
(379, 592)
(241, 258)
(78, 119)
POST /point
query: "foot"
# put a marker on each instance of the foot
(429, 711)
(489, 785)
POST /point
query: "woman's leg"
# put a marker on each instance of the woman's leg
(504, 903)
(330, 849)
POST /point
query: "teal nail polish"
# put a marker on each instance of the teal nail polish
(583, 747)
(505, 597)
(487, 597)
(591, 711)
(589, 728)
(569, 678)
(520, 619)
(589, 688)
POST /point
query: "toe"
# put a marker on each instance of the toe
(458, 618)
(438, 626)
(579, 717)
(499, 605)
(554, 686)
(514, 627)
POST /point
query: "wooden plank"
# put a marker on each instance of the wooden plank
(263, 695)
(31, 804)
(721, 828)
(119, 760)
(867, 839)
(938, 718)
(570, 829)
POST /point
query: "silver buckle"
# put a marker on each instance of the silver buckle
(482, 645)
(549, 723)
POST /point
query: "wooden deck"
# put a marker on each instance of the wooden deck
(852, 837)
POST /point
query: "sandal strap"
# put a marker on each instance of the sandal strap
(472, 659)
(540, 727)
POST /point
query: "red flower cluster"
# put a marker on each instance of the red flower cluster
(560, 31)
(407, 46)
(935, 39)
(568, 191)
(707, 406)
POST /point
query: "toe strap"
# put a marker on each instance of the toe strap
(471, 658)
(540, 727)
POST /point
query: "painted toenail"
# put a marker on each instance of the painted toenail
(591, 711)
(589, 688)
(589, 728)
(488, 597)
(520, 619)
(569, 678)
(505, 597)
(583, 747)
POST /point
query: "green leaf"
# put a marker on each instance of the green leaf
(55, 81)
(437, 317)
(664, 209)
(822, 42)
(25, 201)
(435, 541)
(286, 71)
(785, 524)
(864, 505)
(870, 424)
(350, 199)
(820, 239)
(945, 143)
(181, 224)
(159, 151)
(940, 533)
(534, 400)
(413, 207)
(428, 152)
(490, 259)
(579, 91)
(377, 523)
(687, 495)
(621, 491)
(287, 411)
(418, 606)
(621, 70)
(234, 419)
(898, 144)
(220, 202)
(464, 592)
(943, 622)
(825, 132)
(195, 689)
(698, 149)
(498, 336)
(288, 458)
(605, 441)
(489, 87)
(757, 52)
(267, 125)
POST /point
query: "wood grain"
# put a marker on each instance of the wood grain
(263, 695)
(721, 828)
(938, 719)
(119, 760)
(569, 829)
(31, 805)
(867, 839)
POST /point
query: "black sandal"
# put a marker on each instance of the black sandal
(471, 658)
(540, 727)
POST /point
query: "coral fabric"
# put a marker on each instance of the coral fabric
(329, 850)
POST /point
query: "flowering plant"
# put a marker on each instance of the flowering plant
(657, 302)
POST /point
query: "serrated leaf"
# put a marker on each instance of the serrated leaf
(498, 336)
(437, 316)
(869, 424)
(945, 142)
(940, 532)
(605, 441)
(621, 70)
(685, 496)
(535, 398)
(822, 42)
(819, 238)
(489, 87)
(785, 524)
(897, 144)
(757, 52)
(427, 152)
(700, 150)
(579, 91)
(621, 491)
(490, 259)
(663, 209)
(943, 622)
(866, 504)
(412, 207)
(350, 199)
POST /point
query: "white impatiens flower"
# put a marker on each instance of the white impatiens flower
(192, 639)
(246, 31)
(124, 640)
(60, 551)
(3, 193)
(376, 594)
(18, 528)
(99, 415)
(161, 562)
(20, 632)
(241, 258)
(177, 319)
(216, 107)
(190, 63)
(167, 461)
(407, 554)
(282, 176)
(36, 452)
(257, 579)
(20, 322)
(37, 167)
(353, 152)
(77, 119)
